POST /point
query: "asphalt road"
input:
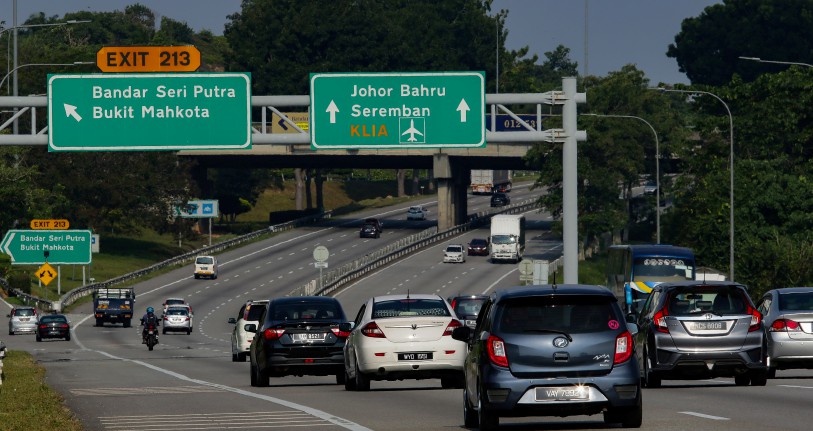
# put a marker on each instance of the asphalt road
(112, 382)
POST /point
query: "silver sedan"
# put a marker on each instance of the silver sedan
(788, 318)
(178, 318)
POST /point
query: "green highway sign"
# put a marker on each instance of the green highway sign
(149, 111)
(397, 110)
(64, 247)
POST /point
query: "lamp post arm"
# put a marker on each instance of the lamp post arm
(789, 63)
(75, 63)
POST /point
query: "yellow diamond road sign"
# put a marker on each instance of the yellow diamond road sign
(46, 273)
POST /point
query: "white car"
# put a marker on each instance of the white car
(206, 266)
(250, 313)
(416, 213)
(454, 253)
(177, 318)
(169, 302)
(409, 336)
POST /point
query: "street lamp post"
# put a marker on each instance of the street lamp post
(75, 63)
(789, 63)
(731, 171)
(657, 170)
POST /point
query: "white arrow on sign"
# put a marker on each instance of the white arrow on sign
(463, 107)
(333, 109)
(8, 239)
(70, 111)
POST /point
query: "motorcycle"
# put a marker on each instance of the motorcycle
(152, 336)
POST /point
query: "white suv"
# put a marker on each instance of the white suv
(251, 312)
(454, 253)
(416, 213)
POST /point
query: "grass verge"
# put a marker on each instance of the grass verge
(28, 403)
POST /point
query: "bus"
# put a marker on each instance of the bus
(633, 270)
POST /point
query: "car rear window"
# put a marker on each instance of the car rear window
(569, 314)
(255, 311)
(707, 299)
(174, 301)
(802, 301)
(410, 307)
(454, 249)
(204, 261)
(53, 319)
(24, 312)
(177, 312)
(468, 306)
(306, 311)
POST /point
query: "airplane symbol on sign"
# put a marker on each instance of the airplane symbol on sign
(412, 131)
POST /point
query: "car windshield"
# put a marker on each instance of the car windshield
(255, 312)
(468, 306)
(174, 301)
(177, 311)
(414, 210)
(802, 301)
(24, 312)
(410, 307)
(662, 269)
(204, 261)
(503, 239)
(478, 242)
(454, 249)
(53, 319)
(568, 314)
(706, 299)
(306, 310)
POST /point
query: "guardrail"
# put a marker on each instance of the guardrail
(350, 271)
(82, 291)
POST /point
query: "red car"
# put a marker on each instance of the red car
(478, 247)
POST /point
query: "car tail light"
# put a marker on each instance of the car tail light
(496, 351)
(339, 333)
(454, 303)
(186, 318)
(623, 348)
(756, 319)
(660, 321)
(453, 324)
(785, 325)
(372, 330)
(273, 334)
(64, 325)
(43, 326)
(166, 318)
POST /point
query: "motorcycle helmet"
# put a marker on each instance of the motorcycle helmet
(150, 310)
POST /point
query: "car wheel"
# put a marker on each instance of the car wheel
(448, 382)
(68, 338)
(771, 373)
(234, 357)
(759, 378)
(469, 414)
(188, 331)
(196, 277)
(241, 357)
(164, 331)
(362, 381)
(10, 332)
(126, 324)
(340, 378)
(39, 338)
(487, 419)
(258, 378)
(627, 417)
(650, 379)
(742, 379)
(99, 322)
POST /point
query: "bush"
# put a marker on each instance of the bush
(19, 280)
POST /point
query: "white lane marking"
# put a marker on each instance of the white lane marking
(795, 386)
(485, 292)
(705, 416)
(344, 423)
(291, 254)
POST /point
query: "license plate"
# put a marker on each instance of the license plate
(415, 356)
(309, 337)
(562, 393)
(708, 326)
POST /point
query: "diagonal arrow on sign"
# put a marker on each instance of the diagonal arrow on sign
(70, 111)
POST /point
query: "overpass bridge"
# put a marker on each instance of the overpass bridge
(451, 166)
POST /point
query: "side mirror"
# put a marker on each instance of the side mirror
(232, 320)
(633, 328)
(462, 333)
(346, 326)
(250, 327)
(632, 317)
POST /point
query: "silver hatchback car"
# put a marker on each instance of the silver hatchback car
(22, 319)
(788, 328)
(692, 330)
(178, 318)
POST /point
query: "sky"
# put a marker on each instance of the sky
(619, 32)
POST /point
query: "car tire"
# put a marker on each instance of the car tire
(126, 323)
(99, 323)
(448, 382)
(258, 378)
(651, 380)
(628, 417)
(241, 357)
(487, 420)
(469, 414)
(759, 378)
(742, 379)
(234, 357)
(68, 338)
(362, 381)
(164, 331)
(39, 338)
(10, 332)
(340, 378)
(771, 374)
(196, 277)
(188, 331)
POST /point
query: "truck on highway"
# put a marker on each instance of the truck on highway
(114, 305)
(487, 181)
(507, 240)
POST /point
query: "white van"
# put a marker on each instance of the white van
(206, 266)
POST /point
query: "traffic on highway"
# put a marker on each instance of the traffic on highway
(223, 372)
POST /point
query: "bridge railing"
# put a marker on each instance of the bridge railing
(82, 291)
(350, 271)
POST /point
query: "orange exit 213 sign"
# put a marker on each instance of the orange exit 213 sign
(50, 224)
(148, 59)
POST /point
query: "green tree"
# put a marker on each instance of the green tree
(708, 47)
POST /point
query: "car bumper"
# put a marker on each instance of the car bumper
(478, 252)
(447, 259)
(389, 367)
(504, 256)
(509, 395)
(785, 352)
(700, 365)
(306, 361)
(51, 333)
(177, 327)
(18, 328)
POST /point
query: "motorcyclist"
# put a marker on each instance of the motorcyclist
(148, 319)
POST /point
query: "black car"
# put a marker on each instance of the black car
(379, 226)
(53, 326)
(467, 307)
(551, 350)
(693, 330)
(298, 336)
(478, 247)
(369, 230)
(500, 199)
